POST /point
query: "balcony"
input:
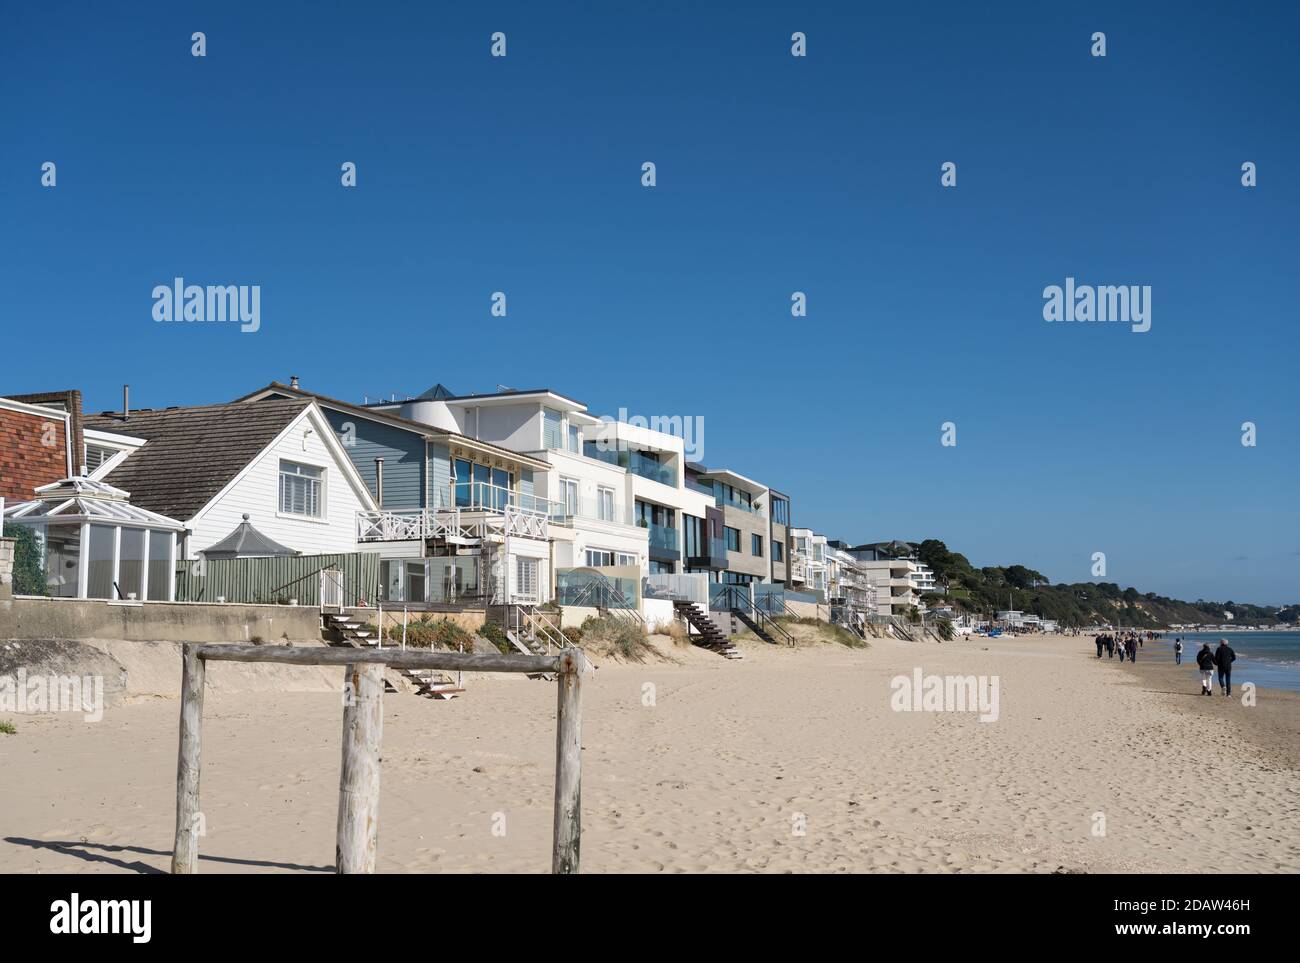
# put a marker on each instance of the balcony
(482, 511)
(716, 557)
(663, 540)
(484, 497)
(571, 511)
(724, 502)
(634, 461)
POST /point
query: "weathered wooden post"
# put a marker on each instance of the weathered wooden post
(568, 762)
(185, 851)
(357, 841)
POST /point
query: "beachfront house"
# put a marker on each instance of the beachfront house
(457, 520)
(587, 499)
(214, 468)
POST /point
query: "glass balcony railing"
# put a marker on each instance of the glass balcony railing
(711, 552)
(638, 464)
(568, 510)
(724, 502)
(634, 461)
(483, 497)
(661, 536)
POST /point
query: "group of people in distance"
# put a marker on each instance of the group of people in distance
(1126, 644)
(1207, 661)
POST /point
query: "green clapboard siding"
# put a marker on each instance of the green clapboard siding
(270, 580)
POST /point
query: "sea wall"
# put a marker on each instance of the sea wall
(42, 618)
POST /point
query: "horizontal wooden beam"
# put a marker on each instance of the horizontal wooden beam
(400, 658)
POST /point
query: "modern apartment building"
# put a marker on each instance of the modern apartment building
(899, 579)
(746, 527)
(808, 560)
(675, 515)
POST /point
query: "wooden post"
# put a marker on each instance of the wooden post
(363, 725)
(568, 763)
(185, 851)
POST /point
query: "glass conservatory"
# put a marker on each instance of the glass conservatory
(95, 544)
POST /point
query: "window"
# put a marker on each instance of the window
(569, 495)
(600, 557)
(780, 511)
(160, 565)
(552, 425)
(300, 489)
(526, 578)
(99, 578)
(96, 455)
(464, 479)
(416, 583)
(733, 538)
(481, 486)
(661, 568)
(574, 439)
(756, 545)
(778, 551)
(605, 504)
(130, 563)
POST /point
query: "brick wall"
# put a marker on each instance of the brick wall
(33, 451)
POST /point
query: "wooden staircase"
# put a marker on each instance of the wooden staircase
(530, 631)
(347, 632)
(764, 626)
(710, 636)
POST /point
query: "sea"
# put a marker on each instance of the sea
(1268, 659)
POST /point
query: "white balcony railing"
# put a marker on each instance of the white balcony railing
(452, 525)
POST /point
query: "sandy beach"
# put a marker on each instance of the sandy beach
(789, 761)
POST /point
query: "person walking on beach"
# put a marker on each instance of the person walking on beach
(1178, 651)
(1132, 649)
(1110, 646)
(1223, 658)
(1205, 662)
(1100, 643)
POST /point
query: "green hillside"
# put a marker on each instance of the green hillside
(983, 591)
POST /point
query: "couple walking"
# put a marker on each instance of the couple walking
(1221, 658)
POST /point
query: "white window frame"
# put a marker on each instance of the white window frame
(321, 495)
(567, 486)
(604, 492)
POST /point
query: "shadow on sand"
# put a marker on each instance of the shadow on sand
(99, 853)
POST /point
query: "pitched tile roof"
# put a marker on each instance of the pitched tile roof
(190, 454)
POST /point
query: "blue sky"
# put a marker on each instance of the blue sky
(775, 174)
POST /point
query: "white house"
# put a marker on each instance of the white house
(278, 463)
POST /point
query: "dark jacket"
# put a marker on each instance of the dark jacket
(1205, 659)
(1224, 657)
